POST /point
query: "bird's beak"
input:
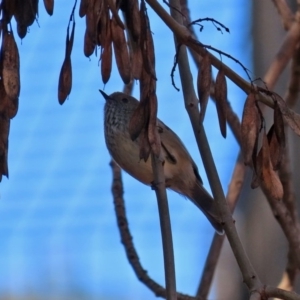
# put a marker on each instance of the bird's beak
(105, 96)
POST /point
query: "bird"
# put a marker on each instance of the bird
(181, 172)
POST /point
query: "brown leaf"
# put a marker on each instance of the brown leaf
(65, 80)
(121, 51)
(221, 100)
(203, 84)
(292, 118)
(249, 128)
(49, 6)
(270, 181)
(11, 66)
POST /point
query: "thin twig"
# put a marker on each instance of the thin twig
(165, 226)
(280, 294)
(285, 13)
(127, 240)
(191, 103)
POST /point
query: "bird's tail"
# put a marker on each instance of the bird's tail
(208, 206)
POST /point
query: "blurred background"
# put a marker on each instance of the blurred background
(58, 233)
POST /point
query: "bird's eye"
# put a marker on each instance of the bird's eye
(125, 100)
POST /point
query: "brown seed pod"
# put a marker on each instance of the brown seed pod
(49, 6)
(83, 7)
(114, 11)
(270, 181)
(146, 42)
(91, 21)
(21, 30)
(144, 145)
(279, 125)
(89, 45)
(204, 80)
(132, 16)
(8, 107)
(106, 58)
(121, 51)
(11, 66)
(249, 128)
(65, 80)
(276, 149)
(4, 132)
(136, 60)
(26, 12)
(221, 100)
(139, 120)
(9, 9)
(103, 27)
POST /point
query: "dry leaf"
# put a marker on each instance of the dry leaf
(270, 181)
(121, 51)
(49, 6)
(221, 100)
(8, 106)
(249, 128)
(203, 84)
(11, 66)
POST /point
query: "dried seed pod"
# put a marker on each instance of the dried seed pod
(103, 26)
(8, 106)
(26, 12)
(114, 11)
(91, 21)
(89, 45)
(204, 84)
(276, 149)
(270, 181)
(4, 132)
(21, 30)
(131, 11)
(11, 66)
(146, 42)
(49, 6)
(136, 61)
(9, 8)
(83, 7)
(65, 80)
(221, 100)
(106, 63)
(144, 145)
(249, 128)
(70, 40)
(121, 51)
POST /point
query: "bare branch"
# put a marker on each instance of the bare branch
(287, 17)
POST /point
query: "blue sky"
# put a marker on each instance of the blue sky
(58, 230)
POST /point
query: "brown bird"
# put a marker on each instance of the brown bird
(181, 172)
